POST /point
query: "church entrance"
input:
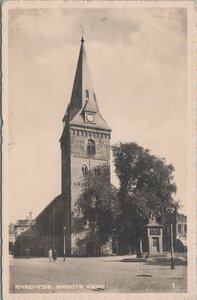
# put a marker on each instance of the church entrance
(90, 250)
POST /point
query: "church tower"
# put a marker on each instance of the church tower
(85, 145)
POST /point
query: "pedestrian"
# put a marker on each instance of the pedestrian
(28, 253)
(50, 253)
(54, 255)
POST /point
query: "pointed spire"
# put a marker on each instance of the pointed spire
(82, 32)
(83, 98)
(83, 94)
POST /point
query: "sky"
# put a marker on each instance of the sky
(138, 61)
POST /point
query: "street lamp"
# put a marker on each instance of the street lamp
(172, 211)
(172, 248)
(89, 154)
(54, 227)
(64, 233)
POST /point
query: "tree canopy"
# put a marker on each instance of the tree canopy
(96, 206)
(146, 188)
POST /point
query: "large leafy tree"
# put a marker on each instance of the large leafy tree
(96, 209)
(146, 188)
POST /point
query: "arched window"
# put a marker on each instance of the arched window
(97, 171)
(91, 148)
(84, 170)
(87, 94)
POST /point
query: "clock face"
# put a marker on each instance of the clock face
(90, 118)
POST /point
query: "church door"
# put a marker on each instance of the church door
(90, 250)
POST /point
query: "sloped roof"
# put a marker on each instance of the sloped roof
(83, 97)
(99, 121)
(25, 222)
(29, 233)
(54, 201)
(181, 218)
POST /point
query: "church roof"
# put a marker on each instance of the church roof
(53, 202)
(83, 97)
(99, 121)
(29, 233)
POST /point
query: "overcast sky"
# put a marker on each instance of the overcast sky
(137, 58)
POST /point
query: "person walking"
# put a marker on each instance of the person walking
(54, 255)
(28, 253)
(50, 253)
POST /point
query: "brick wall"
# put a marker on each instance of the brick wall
(74, 156)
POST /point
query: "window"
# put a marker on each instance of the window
(97, 171)
(84, 170)
(75, 104)
(91, 148)
(87, 94)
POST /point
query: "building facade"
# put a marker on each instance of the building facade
(181, 233)
(85, 152)
(12, 238)
(23, 225)
(85, 147)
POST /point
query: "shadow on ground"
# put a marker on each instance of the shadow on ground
(153, 261)
(161, 262)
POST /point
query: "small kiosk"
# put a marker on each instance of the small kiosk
(155, 236)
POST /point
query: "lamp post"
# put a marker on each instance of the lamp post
(172, 248)
(53, 227)
(89, 154)
(172, 221)
(64, 233)
(21, 245)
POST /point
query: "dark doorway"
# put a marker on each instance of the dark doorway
(114, 247)
(90, 250)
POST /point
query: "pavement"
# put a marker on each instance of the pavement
(97, 274)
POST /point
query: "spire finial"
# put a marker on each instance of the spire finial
(82, 33)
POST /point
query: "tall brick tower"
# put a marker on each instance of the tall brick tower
(85, 144)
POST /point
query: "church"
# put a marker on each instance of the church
(85, 154)
(85, 146)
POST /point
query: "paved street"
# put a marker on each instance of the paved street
(97, 274)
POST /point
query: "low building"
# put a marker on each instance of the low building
(45, 232)
(23, 225)
(26, 241)
(22, 229)
(181, 233)
(11, 238)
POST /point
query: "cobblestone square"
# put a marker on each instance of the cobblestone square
(96, 274)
